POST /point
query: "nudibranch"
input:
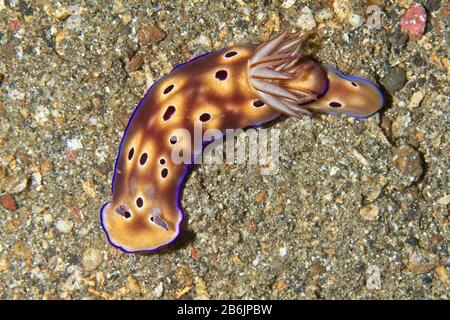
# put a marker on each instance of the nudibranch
(236, 87)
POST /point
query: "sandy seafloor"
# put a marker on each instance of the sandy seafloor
(341, 219)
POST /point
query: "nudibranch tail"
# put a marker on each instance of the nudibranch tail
(284, 79)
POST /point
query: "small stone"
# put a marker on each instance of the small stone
(342, 8)
(15, 184)
(64, 226)
(261, 196)
(74, 281)
(89, 188)
(8, 202)
(421, 262)
(394, 80)
(236, 260)
(370, 212)
(41, 116)
(46, 167)
(48, 219)
(118, 6)
(201, 289)
(317, 269)
(373, 277)
(408, 164)
(414, 21)
(280, 285)
(306, 19)
(136, 62)
(283, 251)
(4, 265)
(133, 285)
(324, 14)
(14, 25)
(158, 291)
(251, 226)
(126, 19)
(22, 250)
(150, 34)
(204, 41)
(412, 241)
(416, 99)
(91, 259)
(400, 125)
(435, 5)
(36, 180)
(74, 144)
(360, 158)
(334, 170)
(71, 154)
(441, 272)
(445, 200)
(288, 3)
(398, 39)
(100, 278)
(355, 20)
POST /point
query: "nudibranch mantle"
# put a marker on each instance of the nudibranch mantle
(236, 87)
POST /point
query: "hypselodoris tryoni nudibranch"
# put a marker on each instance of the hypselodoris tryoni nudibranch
(236, 87)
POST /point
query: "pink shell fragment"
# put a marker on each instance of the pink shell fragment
(414, 21)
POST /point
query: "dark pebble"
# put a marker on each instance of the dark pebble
(408, 163)
(124, 29)
(394, 80)
(299, 289)
(413, 241)
(398, 39)
(418, 61)
(427, 278)
(25, 8)
(433, 5)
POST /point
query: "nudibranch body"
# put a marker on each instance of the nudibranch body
(233, 88)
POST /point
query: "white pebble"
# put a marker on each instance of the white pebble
(360, 158)
(159, 290)
(355, 20)
(373, 277)
(48, 218)
(204, 41)
(16, 95)
(416, 99)
(324, 14)
(283, 251)
(91, 259)
(41, 115)
(288, 3)
(36, 179)
(306, 19)
(64, 226)
(74, 144)
(370, 212)
(334, 170)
